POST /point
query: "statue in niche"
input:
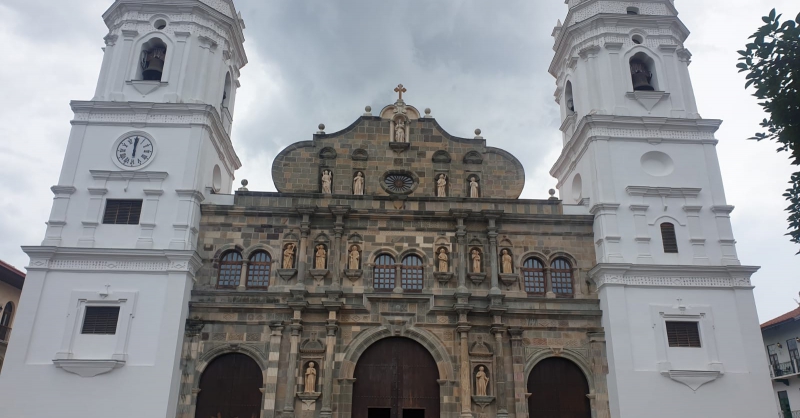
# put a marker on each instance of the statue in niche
(481, 382)
(311, 378)
(506, 263)
(319, 259)
(473, 187)
(288, 256)
(476, 261)
(443, 259)
(441, 186)
(358, 184)
(400, 131)
(326, 181)
(353, 258)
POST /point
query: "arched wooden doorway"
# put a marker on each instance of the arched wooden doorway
(396, 378)
(230, 388)
(558, 389)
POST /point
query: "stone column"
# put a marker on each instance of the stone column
(243, 276)
(302, 262)
(599, 364)
(398, 272)
(333, 304)
(492, 216)
(461, 239)
(498, 330)
(273, 356)
(463, 308)
(338, 248)
(548, 282)
(518, 364)
(291, 370)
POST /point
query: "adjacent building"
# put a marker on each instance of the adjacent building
(11, 282)
(395, 272)
(781, 338)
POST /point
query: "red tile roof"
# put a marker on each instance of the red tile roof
(783, 318)
(11, 275)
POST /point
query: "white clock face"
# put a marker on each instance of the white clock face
(134, 151)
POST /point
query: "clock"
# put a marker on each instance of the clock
(134, 151)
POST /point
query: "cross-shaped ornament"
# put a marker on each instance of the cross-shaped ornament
(400, 89)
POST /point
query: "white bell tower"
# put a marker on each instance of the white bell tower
(101, 319)
(678, 310)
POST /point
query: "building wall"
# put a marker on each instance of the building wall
(791, 382)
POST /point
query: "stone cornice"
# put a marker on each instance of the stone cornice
(112, 260)
(634, 129)
(647, 275)
(159, 114)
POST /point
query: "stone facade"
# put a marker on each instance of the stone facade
(464, 318)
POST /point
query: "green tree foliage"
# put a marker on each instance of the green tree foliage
(772, 61)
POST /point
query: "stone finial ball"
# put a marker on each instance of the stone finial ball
(321, 126)
(368, 109)
(245, 182)
(552, 192)
(427, 111)
(477, 132)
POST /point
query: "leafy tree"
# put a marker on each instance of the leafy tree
(773, 62)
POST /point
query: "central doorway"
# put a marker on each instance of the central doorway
(396, 378)
(558, 389)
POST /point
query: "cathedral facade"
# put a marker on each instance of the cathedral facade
(395, 272)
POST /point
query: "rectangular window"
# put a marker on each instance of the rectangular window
(683, 334)
(100, 320)
(122, 212)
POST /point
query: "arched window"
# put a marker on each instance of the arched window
(226, 92)
(533, 276)
(5, 321)
(258, 269)
(668, 238)
(411, 273)
(154, 54)
(643, 75)
(561, 277)
(633, 10)
(384, 273)
(230, 270)
(570, 100)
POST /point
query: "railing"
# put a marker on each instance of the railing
(793, 414)
(785, 369)
(5, 332)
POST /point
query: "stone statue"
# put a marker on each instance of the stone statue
(473, 187)
(326, 182)
(288, 256)
(476, 261)
(311, 378)
(441, 186)
(506, 262)
(400, 131)
(481, 382)
(353, 258)
(442, 260)
(358, 184)
(319, 260)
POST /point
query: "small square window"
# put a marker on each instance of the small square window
(683, 334)
(122, 212)
(100, 320)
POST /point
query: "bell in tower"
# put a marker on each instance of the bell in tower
(642, 77)
(153, 63)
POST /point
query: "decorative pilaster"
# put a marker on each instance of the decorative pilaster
(599, 364)
(271, 384)
(644, 254)
(518, 364)
(338, 249)
(302, 257)
(58, 214)
(492, 216)
(291, 372)
(333, 304)
(461, 240)
(696, 238)
(463, 308)
(498, 329)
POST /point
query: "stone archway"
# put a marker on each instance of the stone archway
(558, 389)
(396, 377)
(230, 387)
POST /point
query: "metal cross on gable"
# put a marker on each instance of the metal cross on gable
(400, 90)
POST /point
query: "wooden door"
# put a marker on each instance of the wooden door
(229, 388)
(396, 378)
(558, 389)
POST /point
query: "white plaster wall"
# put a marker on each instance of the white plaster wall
(636, 386)
(146, 386)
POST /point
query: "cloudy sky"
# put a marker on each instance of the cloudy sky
(476, 64)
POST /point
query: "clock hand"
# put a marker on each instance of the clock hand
(135, 144)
